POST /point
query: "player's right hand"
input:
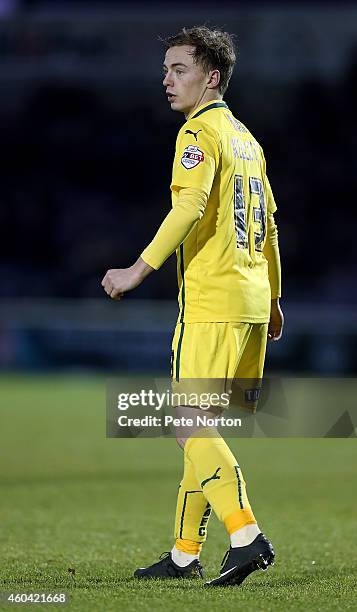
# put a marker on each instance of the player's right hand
(117, 282)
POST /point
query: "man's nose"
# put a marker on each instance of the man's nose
(167, 80)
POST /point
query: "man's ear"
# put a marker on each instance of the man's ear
(214, 77)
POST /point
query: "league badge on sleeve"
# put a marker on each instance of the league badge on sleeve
(191, 157)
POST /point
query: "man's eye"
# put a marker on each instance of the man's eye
(179, 71)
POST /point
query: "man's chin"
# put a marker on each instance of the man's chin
(177, 106)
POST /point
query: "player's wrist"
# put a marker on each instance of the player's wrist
(140, 269)
(275, 305)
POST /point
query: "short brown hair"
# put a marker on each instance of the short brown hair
(214, 50)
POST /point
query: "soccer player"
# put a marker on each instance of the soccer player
(222, 227)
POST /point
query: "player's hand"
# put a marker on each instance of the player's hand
(276, 323)
(118, 281)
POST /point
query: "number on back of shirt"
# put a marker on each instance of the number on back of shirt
(240, 212)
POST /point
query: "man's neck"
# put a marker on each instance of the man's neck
(204, 100)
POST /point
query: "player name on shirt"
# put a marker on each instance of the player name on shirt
(245, 149)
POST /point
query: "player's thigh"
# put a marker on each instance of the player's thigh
(247, 382)
(203, 350)
(203, 358)
(252, 358)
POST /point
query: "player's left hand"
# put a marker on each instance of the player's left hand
(276, 323)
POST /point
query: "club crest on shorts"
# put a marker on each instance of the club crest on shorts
(191, 157)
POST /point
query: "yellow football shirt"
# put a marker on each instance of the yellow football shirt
(222, 218)
(222, 271)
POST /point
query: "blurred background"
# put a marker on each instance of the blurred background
(87, 143)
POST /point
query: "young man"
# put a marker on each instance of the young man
(222, 227)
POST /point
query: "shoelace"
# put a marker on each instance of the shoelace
(163, 555)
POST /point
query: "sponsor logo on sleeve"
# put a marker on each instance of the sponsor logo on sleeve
(191, 157)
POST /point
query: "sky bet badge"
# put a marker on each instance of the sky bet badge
(191, 157)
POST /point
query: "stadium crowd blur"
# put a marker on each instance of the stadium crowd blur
(85, 181)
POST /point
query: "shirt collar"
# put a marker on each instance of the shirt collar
(202, 106)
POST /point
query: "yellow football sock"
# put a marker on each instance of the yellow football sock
(220, 478)
(192, 512)
(188, 546)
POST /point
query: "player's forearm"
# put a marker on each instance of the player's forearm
(272, 254)
(274, 271)
(176, 227)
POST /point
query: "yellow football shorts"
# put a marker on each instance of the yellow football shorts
(219, 355)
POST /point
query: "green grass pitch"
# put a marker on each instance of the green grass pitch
(70, 498)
